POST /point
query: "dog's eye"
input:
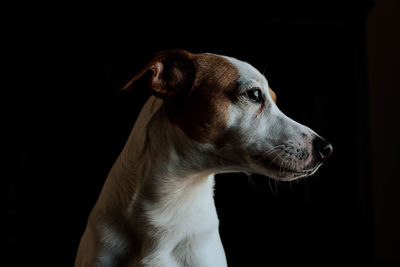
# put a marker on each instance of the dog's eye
(254, 94)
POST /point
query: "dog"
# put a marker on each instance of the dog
(207, 114)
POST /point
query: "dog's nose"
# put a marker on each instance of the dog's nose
(322, 148)
(326, 151)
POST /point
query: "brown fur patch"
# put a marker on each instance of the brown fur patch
(197, 90)
(273, 95)
(203, 115)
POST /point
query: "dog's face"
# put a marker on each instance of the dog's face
(227, 103)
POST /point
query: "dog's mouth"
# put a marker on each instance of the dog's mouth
(282, 170)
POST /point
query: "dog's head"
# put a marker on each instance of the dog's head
(227, 103)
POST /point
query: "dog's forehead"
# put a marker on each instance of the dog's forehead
(248, 75)
(245, 74)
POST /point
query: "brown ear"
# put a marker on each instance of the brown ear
(273, 95)
(167, 74)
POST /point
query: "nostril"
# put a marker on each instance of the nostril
(322, 149)
(326, 150)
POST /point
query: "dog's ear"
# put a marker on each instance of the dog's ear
(167, 74)
(273, 95)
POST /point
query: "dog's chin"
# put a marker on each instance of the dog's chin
(272, 170)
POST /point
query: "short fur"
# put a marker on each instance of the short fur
(156, 207)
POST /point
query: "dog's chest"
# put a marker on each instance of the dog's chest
(188, 211)
(183, 226)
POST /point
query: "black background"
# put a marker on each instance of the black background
(75, 122)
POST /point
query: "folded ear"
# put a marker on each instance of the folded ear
(167, 74)
(273, 95)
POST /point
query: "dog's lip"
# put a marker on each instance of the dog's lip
(302, 173)
(285, 174)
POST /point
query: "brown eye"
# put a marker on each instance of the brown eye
(255, 95)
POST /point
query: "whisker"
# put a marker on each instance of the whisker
(265, 68)
(287, 161)
(265, 154)
(281, 165)
(312, 169)
(273, 160)
(276, 187)
(311, 172)
(270, 185)
(253, 184)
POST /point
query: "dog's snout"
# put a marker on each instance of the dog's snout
(322, 148)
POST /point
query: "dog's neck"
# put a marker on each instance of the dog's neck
(159, 172)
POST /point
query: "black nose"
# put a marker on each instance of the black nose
(322, 148)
